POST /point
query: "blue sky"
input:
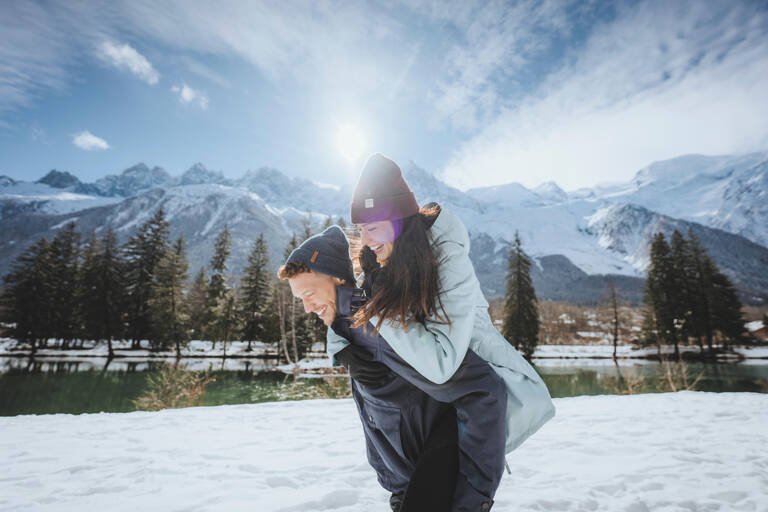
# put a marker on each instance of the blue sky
(478, 93)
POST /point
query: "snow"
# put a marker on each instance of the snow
(122, 349)
(318, 359)
(53, 200)
(665, 452)
(754, 326)
(314, 367)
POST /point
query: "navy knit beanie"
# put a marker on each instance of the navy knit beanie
(326, 253)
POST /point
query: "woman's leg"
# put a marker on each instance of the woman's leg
(433, 482)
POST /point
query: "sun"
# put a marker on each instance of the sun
(350, 142)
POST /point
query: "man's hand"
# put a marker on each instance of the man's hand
(362, 368)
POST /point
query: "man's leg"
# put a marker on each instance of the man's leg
(433, 482)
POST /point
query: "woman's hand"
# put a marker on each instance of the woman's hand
(371, 268)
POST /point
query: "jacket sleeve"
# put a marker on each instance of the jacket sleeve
(335, 344)
(437, 349)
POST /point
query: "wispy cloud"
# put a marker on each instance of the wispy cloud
(201, 70)
(88, 141)
(188, 95)
(661, 80)
(34, 54)
(481, 69)
(126, 58)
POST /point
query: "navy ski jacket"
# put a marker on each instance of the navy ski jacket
(475, 390)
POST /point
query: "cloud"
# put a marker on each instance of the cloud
(661, 80)
(497, 42)
(189, 95)
(201, 70)
(126, 58)
(89, 142)
(34, 54)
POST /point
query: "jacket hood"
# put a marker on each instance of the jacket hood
(449, 228)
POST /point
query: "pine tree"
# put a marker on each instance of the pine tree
(170, 317)
(143, 253)
(65, 258)
(521, 317)
(198, 304)
(85, 288)
(715, 304)
(701, 292)
(217, 288)
(102, 287)
(27, 296)
(682, 285)
(726, 306)
(659, 295)
(257, 319)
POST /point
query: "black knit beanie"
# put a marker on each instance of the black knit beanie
(326, 253)
(382, 193)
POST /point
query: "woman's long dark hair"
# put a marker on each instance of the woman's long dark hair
(408, 285)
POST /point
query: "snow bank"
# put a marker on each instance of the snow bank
(122, 348)
(676, 451)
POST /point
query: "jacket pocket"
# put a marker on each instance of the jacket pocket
(384, 421)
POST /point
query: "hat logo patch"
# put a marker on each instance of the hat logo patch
(314, 256)
(369, 203)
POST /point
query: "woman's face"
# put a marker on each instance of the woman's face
(380, 237)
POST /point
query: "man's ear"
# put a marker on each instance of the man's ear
(337, 281)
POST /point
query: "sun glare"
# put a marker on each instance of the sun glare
(350, 142)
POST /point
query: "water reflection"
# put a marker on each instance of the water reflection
(49, 385)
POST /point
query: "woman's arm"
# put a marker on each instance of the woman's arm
(436, 349)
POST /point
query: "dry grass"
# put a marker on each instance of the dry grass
(173, 387)
(628, 381)
(676, 376)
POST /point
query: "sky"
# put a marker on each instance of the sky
(478, 93)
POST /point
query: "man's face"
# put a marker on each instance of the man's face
(317, 292)
(380, 237)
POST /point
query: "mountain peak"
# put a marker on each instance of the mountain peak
(133, 180)
(6, 180)
(139, 168)
(551, 191)
(199, 174)
(59, 179)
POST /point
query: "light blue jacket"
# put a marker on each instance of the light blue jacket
(436, 350)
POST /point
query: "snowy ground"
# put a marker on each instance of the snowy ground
(664, 452)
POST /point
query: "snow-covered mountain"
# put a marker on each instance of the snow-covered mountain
(726, 192)
(133, 180)
(576, 238)
(199, 174)
(281, 190)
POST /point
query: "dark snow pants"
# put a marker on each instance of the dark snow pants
(434, 480)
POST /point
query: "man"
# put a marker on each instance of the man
(434, 446)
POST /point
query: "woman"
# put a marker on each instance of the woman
(426, 300)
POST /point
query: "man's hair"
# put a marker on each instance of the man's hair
(292, 269)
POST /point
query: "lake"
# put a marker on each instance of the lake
(69, 385)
